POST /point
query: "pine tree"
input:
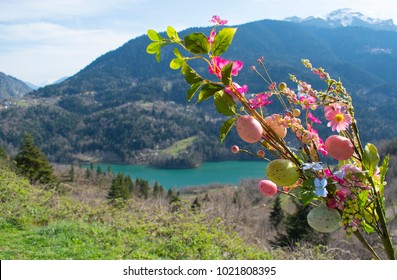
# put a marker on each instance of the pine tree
(143, 187)
(118, 188)
(33, 163)
(195, 206)
(130, 184)
(71, 174)
(175, 202)
(297, 229)
(277, 213)
(109, 170)
(2, 153)
(157, 189)
(99, 170)
(87, 173)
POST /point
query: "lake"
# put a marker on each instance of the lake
(226, 172)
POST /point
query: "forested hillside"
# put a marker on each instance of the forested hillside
(11, 87)
(125, 107)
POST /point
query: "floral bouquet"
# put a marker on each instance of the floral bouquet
(349, 194)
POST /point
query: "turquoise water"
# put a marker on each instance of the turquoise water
(226, 172)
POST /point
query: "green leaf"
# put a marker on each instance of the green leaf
(191, 76)
(363, 197)
(227, 74)
(370, 158)
(307, 196)
(367, 227)
(223, 40)
(177, 63)
(225, 128)
(154, 47)
(193, 89)
(158, 58)
(197, 43)
(177, 53)
(384, 168)
(308, 184)
(154, 36)
(207, 91)
(224, 103)
(172, 34)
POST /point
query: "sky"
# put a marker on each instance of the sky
(44, 40)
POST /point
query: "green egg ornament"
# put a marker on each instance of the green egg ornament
(282, 172)
(324, 219)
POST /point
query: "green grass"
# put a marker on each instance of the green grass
(179, 146)
(43, 224)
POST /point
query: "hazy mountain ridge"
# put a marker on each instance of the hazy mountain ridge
(95, 111)
(11, 87)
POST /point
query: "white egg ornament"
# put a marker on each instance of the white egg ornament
(324, 219)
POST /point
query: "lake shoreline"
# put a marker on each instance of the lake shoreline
(223, 172)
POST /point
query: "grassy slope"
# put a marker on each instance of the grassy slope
(43, 224)
(179, 146)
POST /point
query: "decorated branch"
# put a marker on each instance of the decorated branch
(349, 194)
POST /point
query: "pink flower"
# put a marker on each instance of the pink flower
(211, 37)
(272, 86)
(342, 193)
(218, 63)
(217, 20)
(328, 173)
(307, 101)
(338, 118)
(321, 148)
(241, 90)
(318, 141)
(319, 73)
(260, 99)
(313, 118)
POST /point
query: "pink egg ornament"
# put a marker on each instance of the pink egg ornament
(249, 129)
(235, 149)
(280, 130)
(339, 147)
(267, 187)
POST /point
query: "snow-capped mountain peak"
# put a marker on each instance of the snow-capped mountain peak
(347, 17)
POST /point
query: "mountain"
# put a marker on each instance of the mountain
(346, 17)
(11, 87)
(126, 107)
(52, 82)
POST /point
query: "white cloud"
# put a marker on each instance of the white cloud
(41, 51)
(59, 9)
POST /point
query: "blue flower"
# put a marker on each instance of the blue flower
(340, 174)
(319, 185)
(315, 166)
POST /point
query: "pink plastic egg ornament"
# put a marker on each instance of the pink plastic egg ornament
(235, 149)
(249, 129)
(280, 130)
(339, 147)
(267, 187)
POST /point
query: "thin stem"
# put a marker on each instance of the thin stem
(384, 236)
(359, 236)
(264, 69)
